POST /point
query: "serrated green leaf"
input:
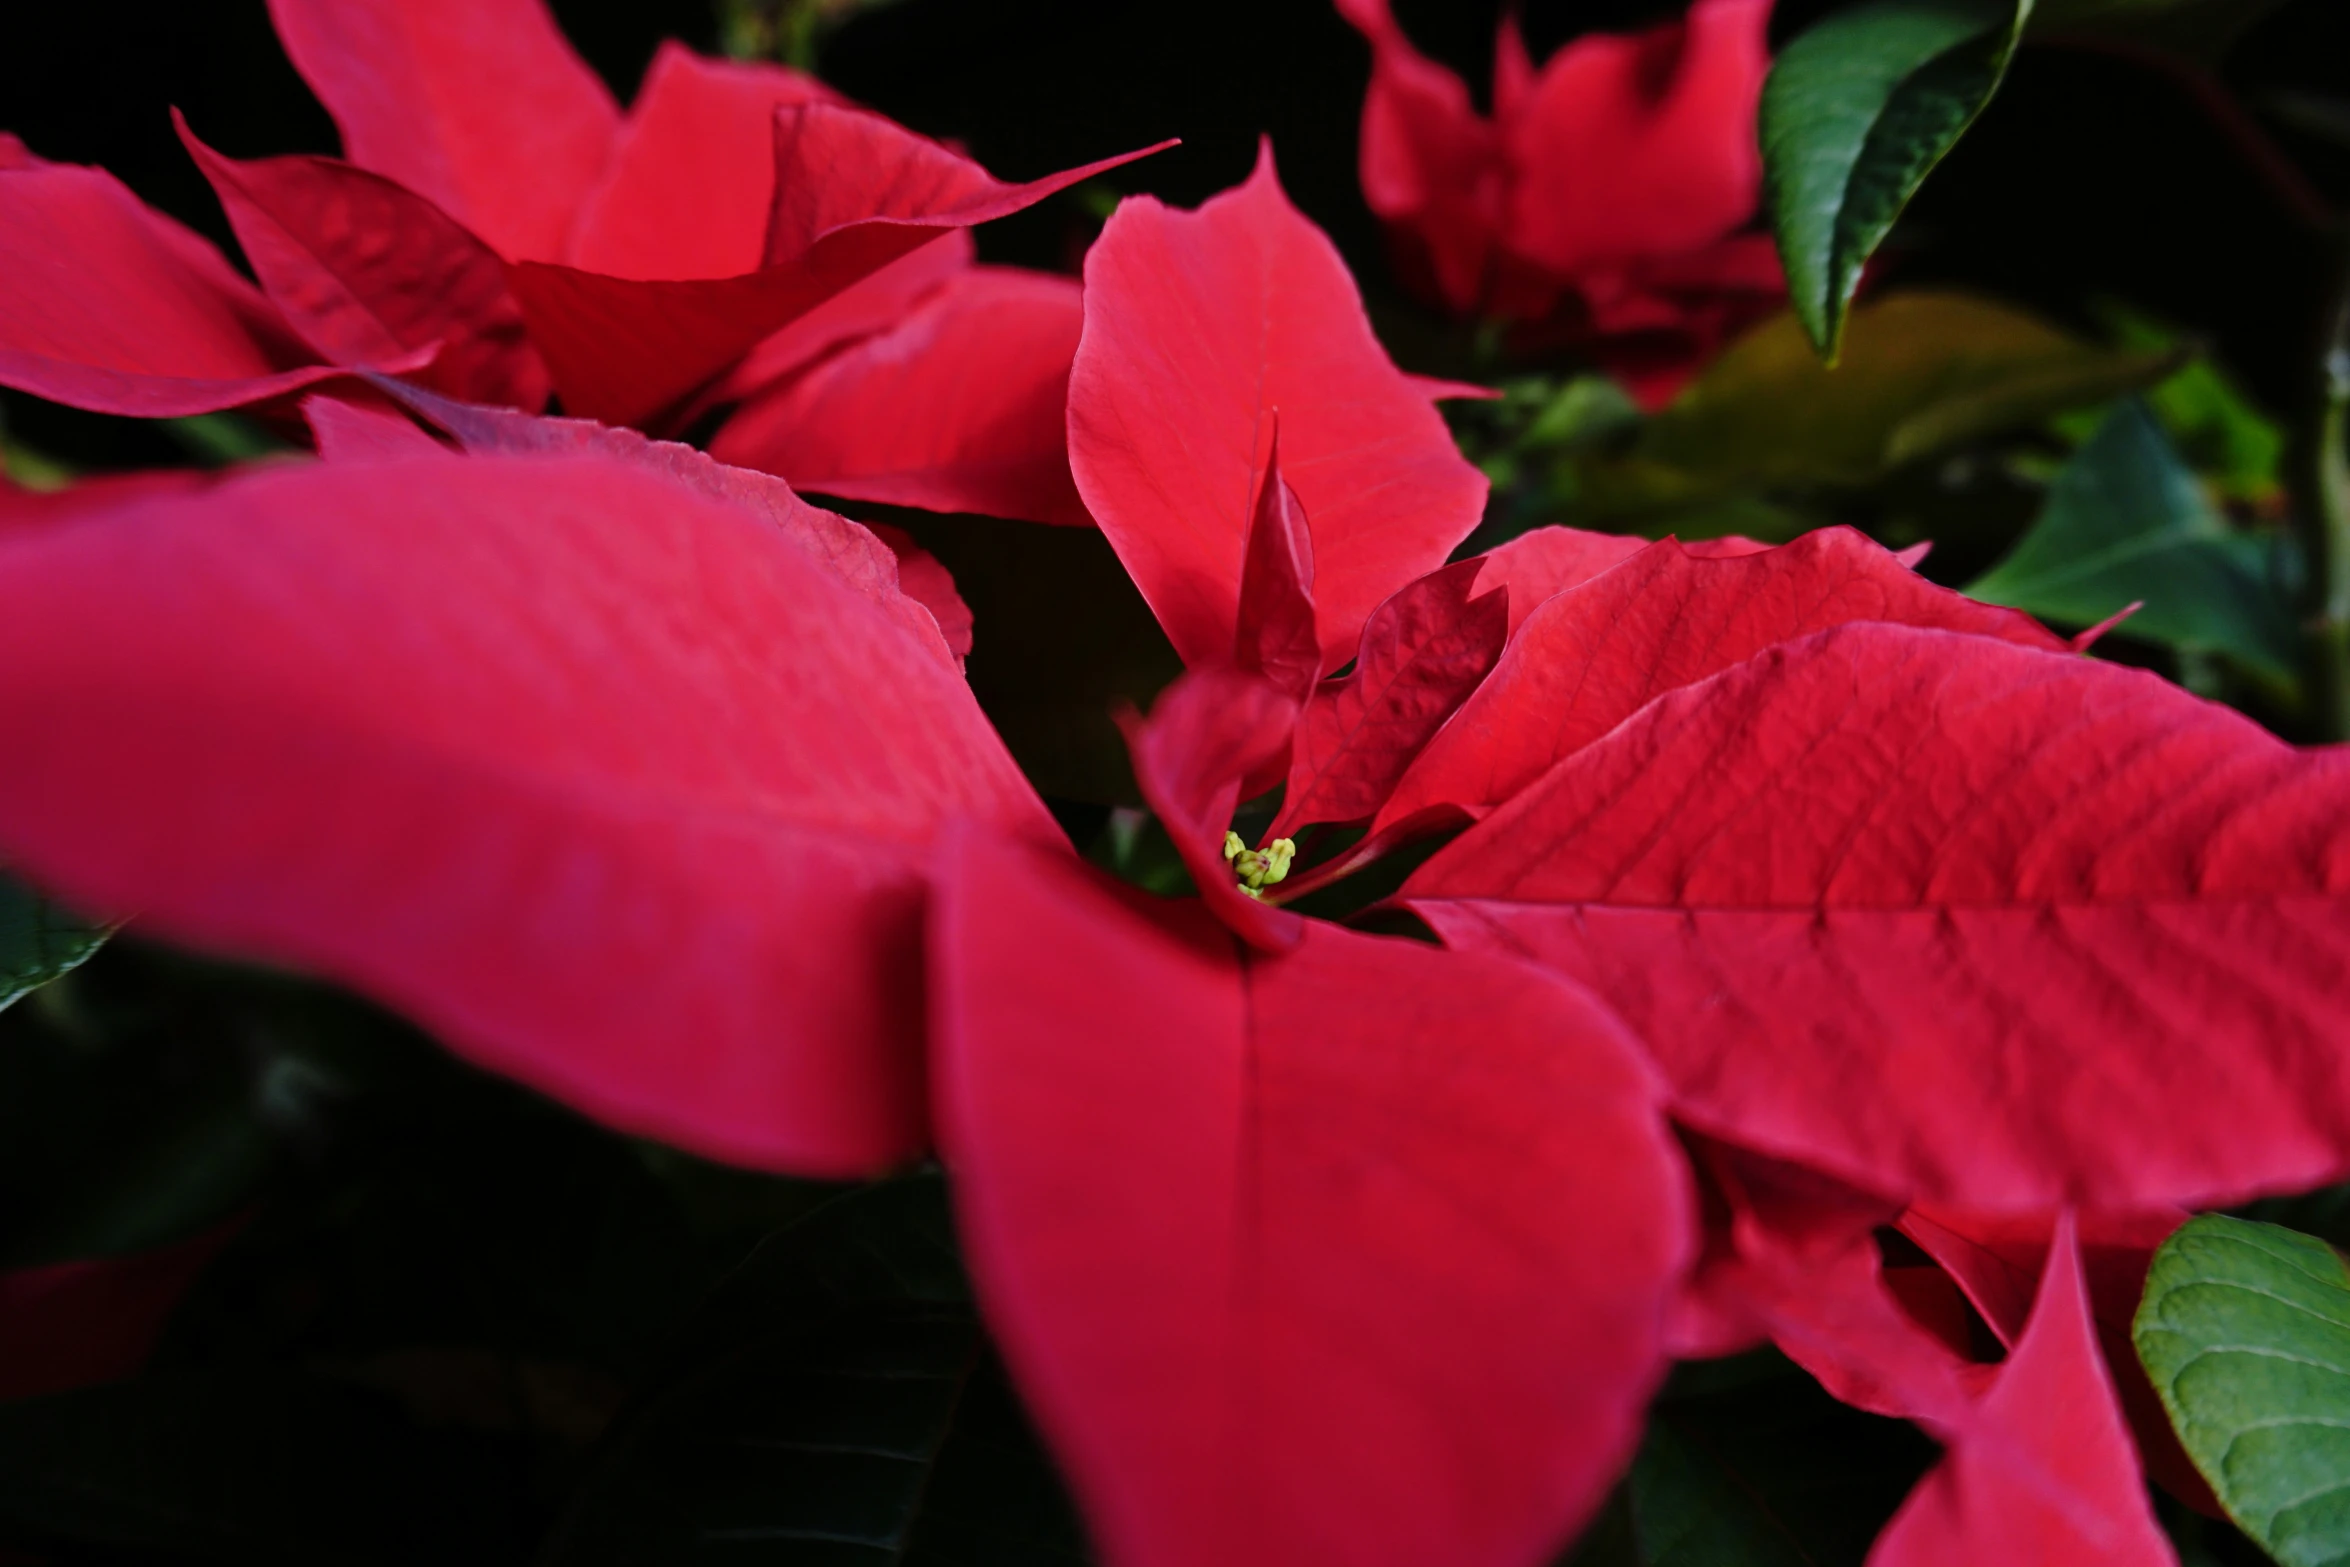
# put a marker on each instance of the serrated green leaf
(2126, 522)
(1855, 114)
(2245, 1331)
(836, 1404)
(38, 941)
(1922, 372)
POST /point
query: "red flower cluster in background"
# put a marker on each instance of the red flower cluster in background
(1794, 898)
(1604, 199)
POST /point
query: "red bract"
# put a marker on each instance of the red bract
(1352, 1254)
(499, 209)
(2069, 933)
(959, 405)
(2049, 1475)
(1202, 329)
(1614, 177)
(618, 786)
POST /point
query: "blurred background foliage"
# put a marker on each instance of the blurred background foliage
(436, 1319)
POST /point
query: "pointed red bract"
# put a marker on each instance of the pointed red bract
(960, 406)
(1599, 203)
(1211, 732)
(1593, 655)
(350, 432)
(1422, 653)
(1998, 1259)
(852, 551)
(853, 193)
(870, 305)
(1629, 147)
(612, 785)
(1541, 563)
(1956, 920)
(2064, 1488)
(110, 305)
(367, 271)
(692, 176)
(1431, 165)
(1276, 636)
(1355, 1256)
(480, 106)
(1199, 327)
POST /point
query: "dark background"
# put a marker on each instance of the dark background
(2095, 173)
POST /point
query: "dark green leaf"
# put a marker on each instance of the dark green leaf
(253, 1467)
(836, 1404)
(1856, 113)
(2126, 522)
(2245, 1332)
(1747, 1462)
(1922, 372)
(38, 940)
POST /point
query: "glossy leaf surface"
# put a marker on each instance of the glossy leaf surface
(1856, 113)
(2245, 1330)
(38, 941)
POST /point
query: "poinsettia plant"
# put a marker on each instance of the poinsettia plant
(1624, 879)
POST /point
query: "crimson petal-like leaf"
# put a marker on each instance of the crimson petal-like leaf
(1276, 636)
(1430, 164)
(2052, 1406)
(855, 554)
(367, 271)
(477, 105)
(613, 785)
(1590, 657)
(351, 432)
(853, 193)
(960, 406)
(110, 305)
(1957, 920)
(1635, 146)
(1354, 1256)
(1541, 563)
(1422, 653)
(66, 1325)
(1199, 328)
(692, 178)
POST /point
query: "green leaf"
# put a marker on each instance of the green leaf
(837, 1404)
(1922, 372)
(1855, 114)
(38, 941)
(2245, 1332)
(2126, 521)
(254, 1466)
